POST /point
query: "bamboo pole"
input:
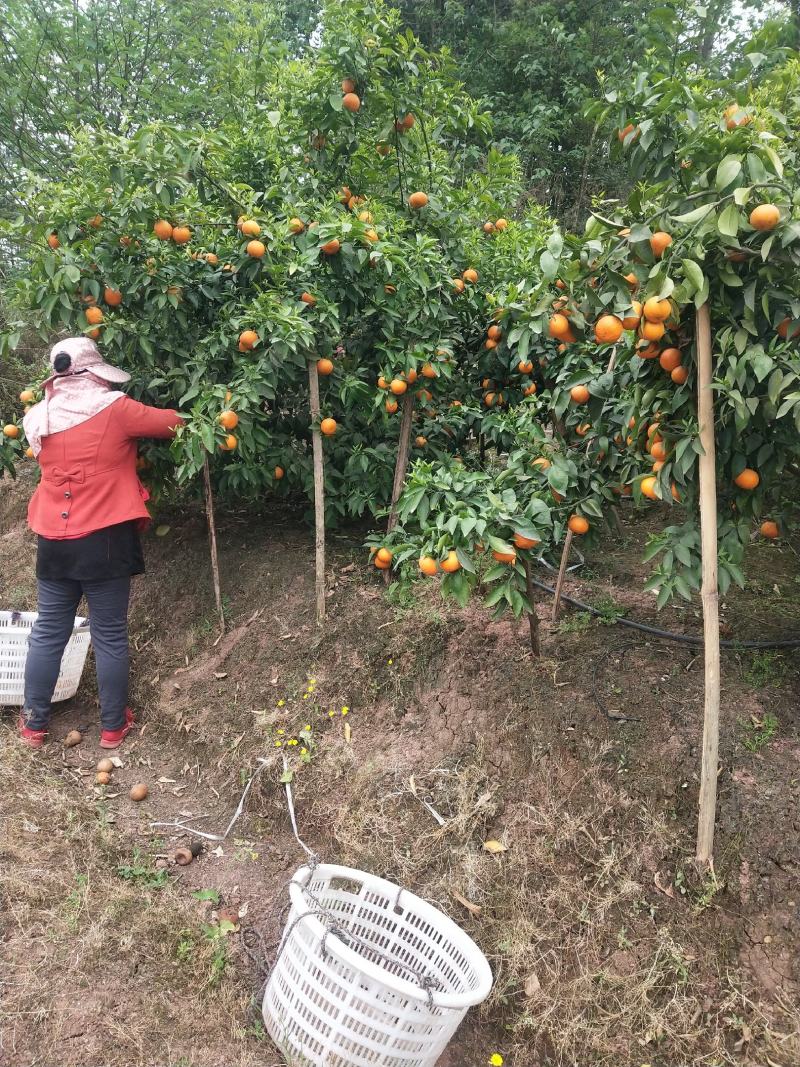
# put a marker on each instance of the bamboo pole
(533, 618)
(709, 590)
(562, 570)
(401, 463)
(319, 489)
(212, 542)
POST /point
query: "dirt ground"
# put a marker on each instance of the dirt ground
(606, 945)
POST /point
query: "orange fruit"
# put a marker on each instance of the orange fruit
(623, 133)
(384, 555)
(648, 487)
(769, 529)
(96, 221)
(229, 444)
(229, 420)
(391, 406)
(647, 350)
(429, 371)
(181, 235)
(658, 450)
(470, 275)
(541, 462)
(351, 102)
(488, 227)
(162, 229)
(583, 429)
(330, 248)
(382, 383)
(11, 431)
(633, 317)
(411, 376)
(505, 557)
(113, 297)
(489, 399)
(608, 329)
(659, 243)
(559, 326)
(490, 343)
(578, 524)
(782, 329)
(669, 359)
(408, 121)
(765, 217)
(524, 542)
(659, 463)
(579, 394)
(348, 85)
(457, 284)
(652, 331)
(307, 298)
(296, 225)
(325, 366)
(529, 390)
(371, 235)
(250, 228)
(212, 259)
(27, 396)
(679, 375)
(748, 479)
(398, 386)
(383, 149)
(93, 315)
(631, 279)
(279, 473)
(656, 310)
(428, 565)
(248, 339)
(418, 200)
(94, 334)
(420, 441)
(494, 332)
(450, 563)
(256, 249)
(328, 427)
(424, 395)
(29, 454)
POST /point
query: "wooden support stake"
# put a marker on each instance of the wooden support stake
(709, 589)
(401, 463)
(212, 542)
(562, 570)
(533, 618)
(319, 488)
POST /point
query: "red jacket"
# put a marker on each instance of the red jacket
(89, 476)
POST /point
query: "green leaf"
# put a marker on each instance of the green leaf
(548, 264)
(696, 214)
(728, 221)
(774, 159)
(693, 273)
(729, 169)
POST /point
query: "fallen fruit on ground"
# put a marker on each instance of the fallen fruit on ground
(139, 792)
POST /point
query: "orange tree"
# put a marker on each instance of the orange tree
(214, 265)
(608, 316)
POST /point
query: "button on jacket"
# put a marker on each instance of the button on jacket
(89, 478)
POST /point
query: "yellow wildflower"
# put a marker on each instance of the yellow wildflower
(496, 1059)
(278, 744)
(281, 703)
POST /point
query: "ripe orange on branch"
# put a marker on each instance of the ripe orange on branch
(633, 317)
(330, 248)
(328, 427)
(428, 565)
(648, 488)
(256, 249)
(248, 339)
(579, 394)
(450, 563)
(470, 275)
(748, 479)
(94, 315)
(660, 242)
(578, 524)
(250, 228)
(656, 310)
(608, 329)
(351, 102)
(765, 217)
(113, 297)
(669, 359)
(11, 431)
(229, 420)
(769, 529)
(181, 235)
(325, 366)
(418, 200)
(162, 229)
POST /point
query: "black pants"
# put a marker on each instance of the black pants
(108, 625)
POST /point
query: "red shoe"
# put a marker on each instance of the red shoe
(114, 738)
(28, 736)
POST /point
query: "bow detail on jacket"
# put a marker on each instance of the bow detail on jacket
(59, 476)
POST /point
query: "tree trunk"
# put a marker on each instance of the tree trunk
(710, 589)
(319, 488)
(212, 543)
(562, 570)
(401, 463)
(533, 618)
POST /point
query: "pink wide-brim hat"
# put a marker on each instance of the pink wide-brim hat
(84, 355)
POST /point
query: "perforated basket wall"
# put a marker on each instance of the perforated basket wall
(359, 999)
(15, 628)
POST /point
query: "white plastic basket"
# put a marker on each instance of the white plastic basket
(15, 628)
(368, 975)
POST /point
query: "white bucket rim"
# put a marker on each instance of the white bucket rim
(8, 626)
(351, 958)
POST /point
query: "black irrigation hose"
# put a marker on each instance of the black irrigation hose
(668, 635)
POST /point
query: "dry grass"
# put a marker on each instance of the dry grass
(592, 964)
(101, 962)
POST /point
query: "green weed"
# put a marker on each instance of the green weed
(759, 732)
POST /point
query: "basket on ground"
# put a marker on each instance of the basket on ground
(15, 628)
(368, 975)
